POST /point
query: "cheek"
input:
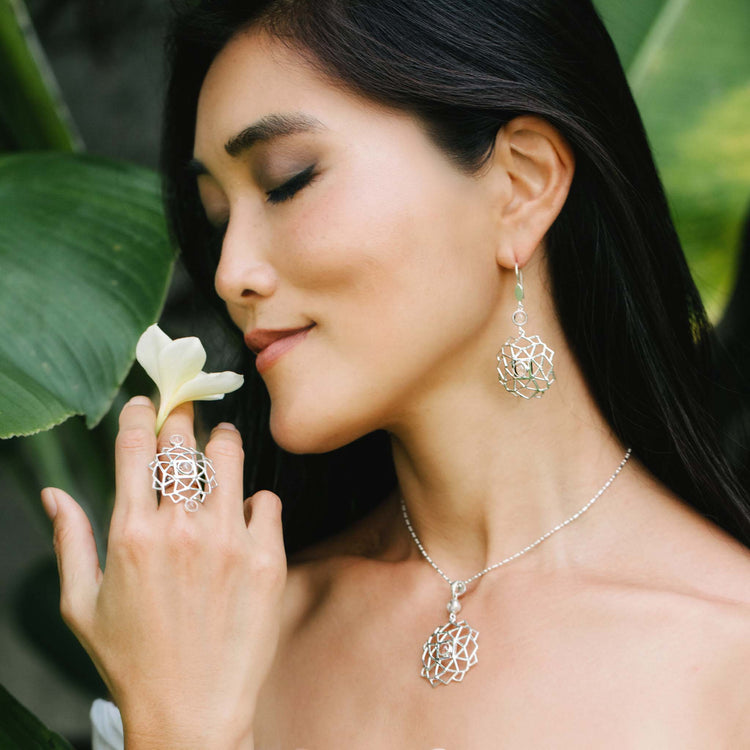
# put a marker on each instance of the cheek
(396, 280)
(385, 248)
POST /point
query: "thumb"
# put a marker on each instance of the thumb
(75, 549)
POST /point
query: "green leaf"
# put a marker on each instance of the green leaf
(33, 114)
(689, 68)
(19, 728)
(86, 264)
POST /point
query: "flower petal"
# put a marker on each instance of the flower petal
(179, 361)
(151, 342)
(208, 386)
(165, 407)
(176, 368)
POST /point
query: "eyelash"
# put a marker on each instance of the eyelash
(278, 195)
(288, 189)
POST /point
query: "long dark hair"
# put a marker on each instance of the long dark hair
(628, 306)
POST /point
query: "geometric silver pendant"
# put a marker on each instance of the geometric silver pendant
(449, 653)
(525, 366)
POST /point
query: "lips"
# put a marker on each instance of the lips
(271, 344)
(259, 338)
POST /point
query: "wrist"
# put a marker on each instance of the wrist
(135, 741)
(152, 724)
(185, 736)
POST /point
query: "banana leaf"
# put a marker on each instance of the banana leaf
(33, 114)
(688, 64)
(86, 264)
(20, 729)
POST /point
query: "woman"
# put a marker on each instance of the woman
(454, 206)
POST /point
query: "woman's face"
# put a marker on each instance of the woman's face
(387, 249)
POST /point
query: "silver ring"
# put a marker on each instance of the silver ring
(183, 474)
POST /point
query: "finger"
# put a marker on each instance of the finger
(135, 448)
(77, 559)
(264, 512)
(176, 435)
(224, 449)
(179, 422)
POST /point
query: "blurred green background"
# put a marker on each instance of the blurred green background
(100, 93)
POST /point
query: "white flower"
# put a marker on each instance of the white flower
(176, 368)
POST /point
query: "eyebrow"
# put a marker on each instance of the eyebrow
(262, 131)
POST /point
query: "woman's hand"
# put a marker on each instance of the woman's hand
(183, 623)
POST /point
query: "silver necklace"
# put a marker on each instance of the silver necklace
(451, 650)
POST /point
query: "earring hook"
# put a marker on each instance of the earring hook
(519, 284)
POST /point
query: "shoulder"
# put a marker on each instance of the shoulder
(692, 590)
(721, 630)
(723, 595)
(315, 570)
(663, 542)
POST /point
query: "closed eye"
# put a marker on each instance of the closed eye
(288, 189)
(278, 195)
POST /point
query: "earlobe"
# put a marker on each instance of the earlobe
(539, 164)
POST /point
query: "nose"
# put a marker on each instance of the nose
(244, 270)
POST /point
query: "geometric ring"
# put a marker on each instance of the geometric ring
(183, 474)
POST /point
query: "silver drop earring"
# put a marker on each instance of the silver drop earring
(524, 364)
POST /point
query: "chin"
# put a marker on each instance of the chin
(311, 435)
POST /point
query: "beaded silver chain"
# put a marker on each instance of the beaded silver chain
(452, 648)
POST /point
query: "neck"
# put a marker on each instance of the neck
(485, 480)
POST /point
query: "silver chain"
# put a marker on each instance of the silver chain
(553, 530)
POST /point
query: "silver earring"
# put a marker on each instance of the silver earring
(524, 364)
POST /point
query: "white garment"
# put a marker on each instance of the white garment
(106, 726)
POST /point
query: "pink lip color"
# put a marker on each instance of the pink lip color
(266, 357)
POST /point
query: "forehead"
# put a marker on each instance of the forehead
(255, 76)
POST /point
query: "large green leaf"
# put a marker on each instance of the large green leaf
(21, 730)
(689, 67)
(86, 264)
(33, 114)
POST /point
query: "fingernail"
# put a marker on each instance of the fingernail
(225, 426)
(49, 503)
(139, 401)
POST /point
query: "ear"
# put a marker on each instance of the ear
(536, 165)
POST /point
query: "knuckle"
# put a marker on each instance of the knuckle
(134, 440)
(231, 551)
(268, 568)
(183, 537)
(132, 539)
(68, 609)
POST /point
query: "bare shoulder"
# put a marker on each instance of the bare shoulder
(315, 569)
(698, 576)
(728, 690)
(662, 540)
(702, 557)
(724, 590)
(722, 628)
(312, 573)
